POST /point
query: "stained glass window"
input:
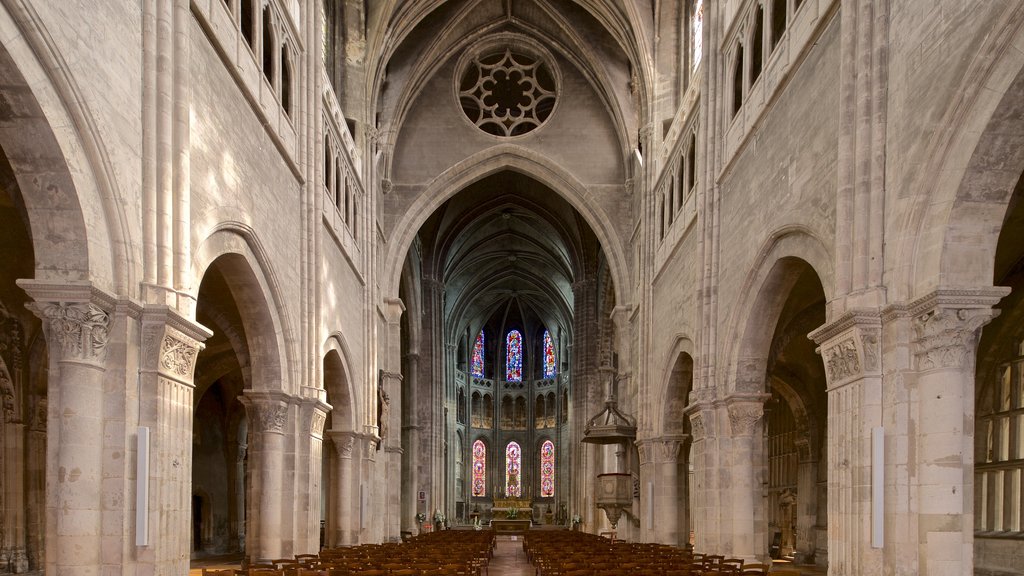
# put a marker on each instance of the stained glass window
(477, 367)
(549, 356)
(513, 470)
(514, 357)
(479, 468)
(547, 469)
(698, 32)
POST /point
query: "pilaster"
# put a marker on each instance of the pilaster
(850, 348)
(660, 460)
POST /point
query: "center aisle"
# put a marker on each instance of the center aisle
(509, 558)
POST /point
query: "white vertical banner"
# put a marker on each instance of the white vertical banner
(877, 486)
(142, 487)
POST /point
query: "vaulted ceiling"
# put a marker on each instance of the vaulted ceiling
(507, 250)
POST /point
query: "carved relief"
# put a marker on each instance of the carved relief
(317, 425)
(869, 343)
(178, 356)
(81, 331)
(947, 337)
(641, 449)
(670, 450)
(697, 426)
(38, 421)
(842, 361)
(7, 393)
(743, 417)
(271, 417)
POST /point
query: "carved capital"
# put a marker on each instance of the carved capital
(344, 443)
(76, 331)
(268, 412)
(842, 360)
(743, 415)
(643, 451)
(850, 346)
(948, 337)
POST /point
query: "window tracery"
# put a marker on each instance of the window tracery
(507, 93)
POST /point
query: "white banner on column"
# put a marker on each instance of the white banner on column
(142, 487)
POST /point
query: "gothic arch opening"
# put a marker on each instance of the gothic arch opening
(339, 478)
(497, 276)
(794, 459)
(221, 446)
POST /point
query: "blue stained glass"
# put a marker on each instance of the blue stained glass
(514, 357)
(549, 356)
(477, 366)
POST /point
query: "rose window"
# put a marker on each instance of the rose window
(507, 94)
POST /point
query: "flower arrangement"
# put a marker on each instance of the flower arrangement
(438, 519)
(512, 513)
(421, 517)
(576, 521)
(476, 523)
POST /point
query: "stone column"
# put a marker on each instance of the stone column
(659, 463)
(389, 410)
(268, 415)
(77, 322)
(947, 326)
(744, 413)
(850, 349)
(343, 530)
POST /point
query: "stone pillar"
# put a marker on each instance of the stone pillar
(705, 491)
(947, 326)
(268, 415)
(389, 410)
(342, 517)
(850, 349)
(744, 413)
(806, 501)
(313, 413)
(77, 321)
(659, 463)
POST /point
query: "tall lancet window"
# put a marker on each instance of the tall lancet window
(547, 469)
(698, 32)
(549, 356)
(514, 357)
(477, 365)
(479, 468)
(513, 470)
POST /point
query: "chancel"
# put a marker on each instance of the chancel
(419, 285)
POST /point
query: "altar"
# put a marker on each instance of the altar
(506, 526)
(503, 506)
